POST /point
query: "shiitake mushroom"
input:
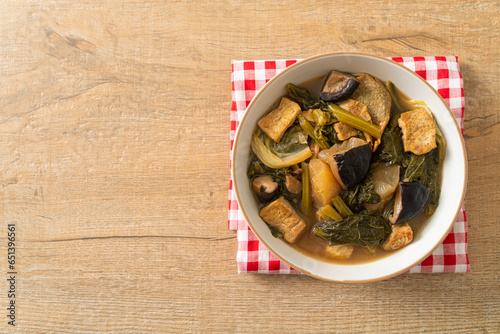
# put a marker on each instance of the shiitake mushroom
(349, 161)
(265, 188)
(338, 87)
(410, 200)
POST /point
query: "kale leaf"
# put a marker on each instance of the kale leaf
(363, 193)
(303, 97)
(330, 133)
(391, 148)
(364, 230)
(424, 169)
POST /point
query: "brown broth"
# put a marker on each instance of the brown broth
(315, 247)
(313, 85)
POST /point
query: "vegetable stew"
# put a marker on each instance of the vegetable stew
(346, 168)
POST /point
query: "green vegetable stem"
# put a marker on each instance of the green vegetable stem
(306, 188)
(356, 122)
(329, 213)
(394, 95)
(341, 207)
(316, 135)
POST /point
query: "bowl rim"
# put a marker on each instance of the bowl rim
(298, 268)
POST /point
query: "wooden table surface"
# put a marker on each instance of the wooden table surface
(114, 168)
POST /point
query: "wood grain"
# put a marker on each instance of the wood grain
(114, 146)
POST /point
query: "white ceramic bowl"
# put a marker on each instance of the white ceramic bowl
(454, 168)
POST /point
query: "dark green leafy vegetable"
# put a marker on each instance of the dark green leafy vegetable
(322, 118)
(330, 133)
(415, 167)
(316, 135)
(425, 171)
(303, 97)
(360, 230)
(423, 168)
(323, 126)
(391, 148)
(293, 137)
(341, 207)
(433, 202)
(360, 134)
(363, 193)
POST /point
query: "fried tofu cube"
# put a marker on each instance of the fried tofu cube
(344, 131)
(278, 120)
(401, 235)
(283, 216)
(357, 108)
(339, 252)
(309, 115)
(292, 184)
(419, 131)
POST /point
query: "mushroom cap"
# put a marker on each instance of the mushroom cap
(410, 200)
(338, 86)
(265, 188)
(349, 161)
(353, 164)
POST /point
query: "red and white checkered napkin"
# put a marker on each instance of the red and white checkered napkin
(249, 76)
